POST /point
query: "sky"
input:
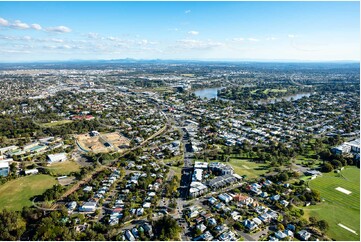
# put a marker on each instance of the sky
(315, 31)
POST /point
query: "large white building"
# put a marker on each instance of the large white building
(4, 168)
(9, 148)
(57, 157)
(197, 175)
(197, 189)
(200, 165)
(88, 207)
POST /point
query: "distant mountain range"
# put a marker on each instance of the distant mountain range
(131, 60)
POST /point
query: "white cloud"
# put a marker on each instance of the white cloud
(271, 38)
(143, 42)
(174, 29)
(27, 38)
(57, 40)
(4, 22)
(92, 35)
(197, 44)
(36, 26)
(238, 39)
(291, 36)
(253, 39)
(19, 25)
(187, 11)
(193, 32)
(59, 29)
(112, 38)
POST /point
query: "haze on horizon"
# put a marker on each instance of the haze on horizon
(314, 31)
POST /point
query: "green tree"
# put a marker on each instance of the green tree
(12, 225)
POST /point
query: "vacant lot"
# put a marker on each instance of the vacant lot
(16, 194)
(248, 168)
(104, 142)
(338, 207)
(63, 168)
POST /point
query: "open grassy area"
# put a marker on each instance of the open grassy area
(56, 123)
(338, 207)
(312, 163)
(177, 171)
(16, 194)
(63, 168)
(248, 168)
(274, 90)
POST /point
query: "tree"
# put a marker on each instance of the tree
(313, 220)
(283, 176)
(167, 228)
(12, 225)
(327, 167)
(323, 225)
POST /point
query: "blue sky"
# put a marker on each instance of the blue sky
(179, 30)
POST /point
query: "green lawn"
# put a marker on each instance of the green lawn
(177, 171)
(248, 168)
(338, 207)
(63, 168)
(274, 90)
(56, 123)
(16, 194)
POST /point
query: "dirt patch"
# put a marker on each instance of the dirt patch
(103, 143)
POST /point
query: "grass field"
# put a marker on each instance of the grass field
(274, 90)
(56, 123)
(16, 194)
(63, 168)
(248, 168)
(338, 207)
(177, 171)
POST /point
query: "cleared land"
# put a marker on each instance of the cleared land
(248, 168)
(337, 207)
(16, 194)
(102, 143)
(63, 168)
(56, 123)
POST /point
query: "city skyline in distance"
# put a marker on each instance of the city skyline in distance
(219, 31)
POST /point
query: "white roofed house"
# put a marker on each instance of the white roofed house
(57, 157)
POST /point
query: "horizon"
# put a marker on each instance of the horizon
(205, 31)
(295, 61)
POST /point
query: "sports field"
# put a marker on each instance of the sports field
(338, 207)
(16, 194)
(63, 168)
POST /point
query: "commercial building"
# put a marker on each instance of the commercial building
(57, 157)
(220, 168)
(197, 189)
(200, 165)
